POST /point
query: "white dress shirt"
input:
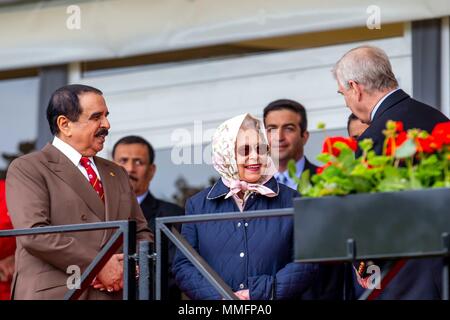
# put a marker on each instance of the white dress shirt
(142, 197)
(74, 156)
(284, 178)
(374, 110)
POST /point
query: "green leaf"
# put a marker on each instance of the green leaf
(324, 157)
(366, 144)
(379, 160)
(292, 168)
(406, 150)
(341, 145)
(362, 184)
(304, 182)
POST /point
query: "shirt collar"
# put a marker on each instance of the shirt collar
(142, 197)
(69, 151)
(374, 110)
(300, 166)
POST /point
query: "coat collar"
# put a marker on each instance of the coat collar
(389, 102)
(219, 189)
(150, 201)
(309, 166)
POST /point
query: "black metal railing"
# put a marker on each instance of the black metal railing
(125, 236)
(165, 232)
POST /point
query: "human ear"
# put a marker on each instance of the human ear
(64, 126)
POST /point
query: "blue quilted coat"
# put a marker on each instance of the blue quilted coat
(254, 254)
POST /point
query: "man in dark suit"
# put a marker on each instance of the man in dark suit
(136, 155)
(287, 130)
(365, 79)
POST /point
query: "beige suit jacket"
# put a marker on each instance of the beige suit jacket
(46, 189)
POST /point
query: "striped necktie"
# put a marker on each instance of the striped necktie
(93, 179)
(282, 179)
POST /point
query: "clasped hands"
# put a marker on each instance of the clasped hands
(110, 278)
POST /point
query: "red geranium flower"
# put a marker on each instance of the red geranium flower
(329, 142)
(441, 132)
(320, 169)
(429, 144)
(398, 126)
(393, 144)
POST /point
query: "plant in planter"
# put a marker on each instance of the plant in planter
(411, 160)
(356, 198)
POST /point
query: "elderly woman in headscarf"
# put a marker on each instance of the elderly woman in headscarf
(253, 256)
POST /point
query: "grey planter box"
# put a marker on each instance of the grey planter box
(382, 225)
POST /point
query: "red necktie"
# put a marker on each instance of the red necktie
(93, 179)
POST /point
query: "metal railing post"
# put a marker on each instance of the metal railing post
(162, 265)
(144, 271)
(129, 261)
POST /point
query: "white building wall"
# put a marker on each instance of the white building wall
(159, 101)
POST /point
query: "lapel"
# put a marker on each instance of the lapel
(109, 177)
(149, 207)
(58, 163)
(374, 128)
(390, 101)
(309, 166)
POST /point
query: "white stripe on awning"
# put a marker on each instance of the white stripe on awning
(36, 35)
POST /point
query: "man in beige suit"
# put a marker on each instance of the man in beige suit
(65, 183)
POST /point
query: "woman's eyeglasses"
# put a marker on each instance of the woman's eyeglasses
(260, 149)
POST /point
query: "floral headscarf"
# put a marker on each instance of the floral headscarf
(224, 157)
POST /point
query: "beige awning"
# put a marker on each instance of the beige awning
(37, 34)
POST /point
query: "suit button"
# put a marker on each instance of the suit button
(239, 224)
(246, 224)
(241, 286)
(241, 254)
(83, 217)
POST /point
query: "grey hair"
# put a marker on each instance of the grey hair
(368, 66)
(250, 123)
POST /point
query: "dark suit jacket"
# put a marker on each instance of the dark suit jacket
(156, 208)
(310, 166)
(399, 106)
(420, 278)
(44, 188)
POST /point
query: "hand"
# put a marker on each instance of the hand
(111, 276)
(243, 294)
(6, 269)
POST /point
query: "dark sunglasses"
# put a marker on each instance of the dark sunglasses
(261, 149)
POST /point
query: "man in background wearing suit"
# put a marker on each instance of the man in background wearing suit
(287, 130)
(365, 79)
(65, 183)
(136, 155)
(355, 127)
